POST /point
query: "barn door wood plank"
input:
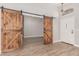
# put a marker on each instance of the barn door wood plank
(47, 30)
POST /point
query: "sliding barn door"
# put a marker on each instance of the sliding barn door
(12, 30)
(47, 30)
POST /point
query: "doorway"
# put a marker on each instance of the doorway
(33, 30)
(38, 29)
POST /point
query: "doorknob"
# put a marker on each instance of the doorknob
(66, 26)
(72, 32)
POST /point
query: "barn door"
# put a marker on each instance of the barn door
(47, 30)
(12, 30)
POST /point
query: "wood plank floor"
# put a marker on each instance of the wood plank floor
(35, 47)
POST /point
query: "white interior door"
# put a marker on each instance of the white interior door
(67, 30)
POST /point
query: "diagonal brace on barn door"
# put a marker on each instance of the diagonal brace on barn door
(13, 39)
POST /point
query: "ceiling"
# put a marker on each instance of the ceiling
(48, 9)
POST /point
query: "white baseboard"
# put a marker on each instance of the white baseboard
(33, 36)
(57, 41)
(69, 43)
(76, 45)
(72, 44)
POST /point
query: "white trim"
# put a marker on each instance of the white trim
(69, 43)
(33, 36)
(57, 41)
(76, 45)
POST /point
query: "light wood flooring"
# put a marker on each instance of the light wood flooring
(35, 47)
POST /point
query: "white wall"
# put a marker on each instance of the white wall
(56, 30)
(33, 26)
(77, 24)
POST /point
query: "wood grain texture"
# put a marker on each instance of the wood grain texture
(35, 47)
(11, 30)
(47, 30)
